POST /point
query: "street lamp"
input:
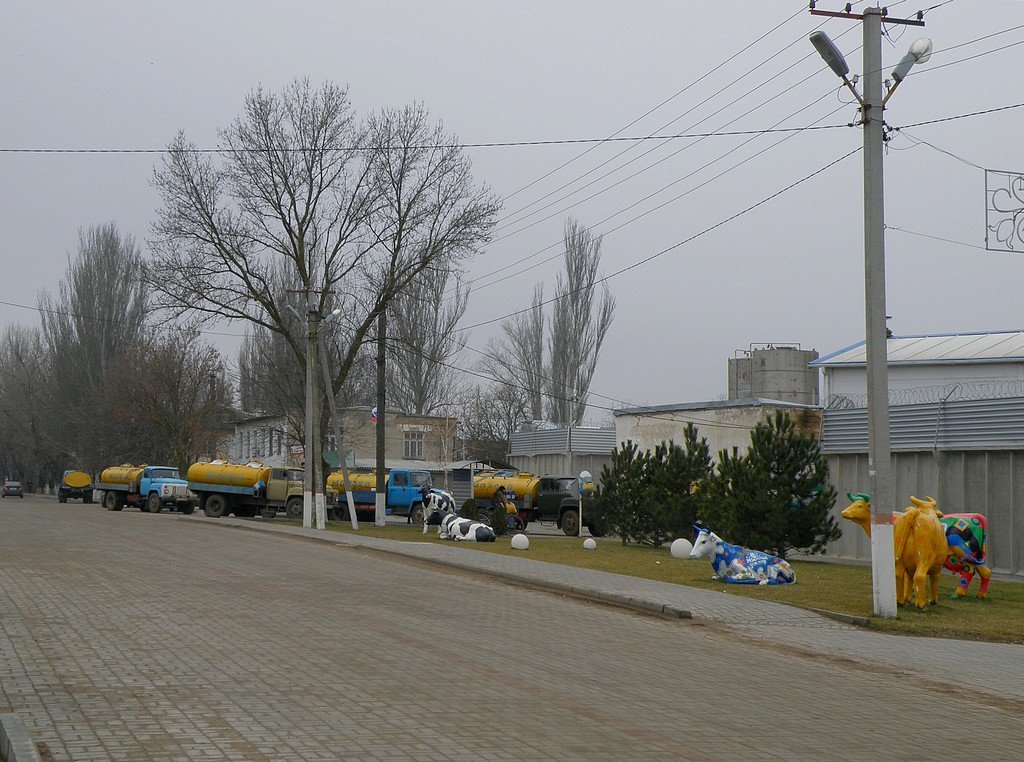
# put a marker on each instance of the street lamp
(585, 479)
(872, 105)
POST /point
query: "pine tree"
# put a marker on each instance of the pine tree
(776, 496)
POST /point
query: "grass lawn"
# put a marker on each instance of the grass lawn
(841, 588)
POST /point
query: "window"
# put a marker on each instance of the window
(401, 480)
(414, 445)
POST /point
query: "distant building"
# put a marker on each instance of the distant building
(724, 424)
(775, 372)
(277, 442)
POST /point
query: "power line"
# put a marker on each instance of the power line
(940, 238)
(651, 111)
(675, 245)
(918, 141)
(962, 116)
(510, 222)
(505, 144)
(651, 210)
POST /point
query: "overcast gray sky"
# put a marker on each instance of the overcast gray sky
(129, 75)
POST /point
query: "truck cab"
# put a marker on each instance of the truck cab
(161, 486)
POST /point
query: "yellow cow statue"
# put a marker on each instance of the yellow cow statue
(921, 548)
(907, 541)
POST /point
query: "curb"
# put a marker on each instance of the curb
(15, 743)
(860, 621)
(641, 605)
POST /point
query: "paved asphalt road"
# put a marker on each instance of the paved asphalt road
(131, 636)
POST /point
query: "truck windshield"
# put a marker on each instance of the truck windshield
(420, 479)
(565, 485)
(163, 473)
(295, 476)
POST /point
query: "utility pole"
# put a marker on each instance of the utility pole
(382, 497)
(308, 477)
(872, 108)
(329, 390)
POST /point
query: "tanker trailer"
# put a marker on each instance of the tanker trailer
(150, 488)
(75, 485)
(246, 489)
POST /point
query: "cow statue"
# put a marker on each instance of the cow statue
(436, 500)
(452, 527)
(966, 538)
(739, 565)
(921, 549)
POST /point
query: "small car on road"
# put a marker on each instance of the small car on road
(13, 489)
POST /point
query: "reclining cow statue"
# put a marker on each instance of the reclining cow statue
(966, 540)
(452, 527)
(739, 565)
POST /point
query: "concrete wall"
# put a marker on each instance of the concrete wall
(722, 427)
(988, 482)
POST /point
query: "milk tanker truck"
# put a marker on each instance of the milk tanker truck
(75, 485)
(150, 488)
(404, 494)
(538, 498)
(246, 490)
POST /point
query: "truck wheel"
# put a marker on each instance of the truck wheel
(111, 501)
(571, 523)
(153, 503)
(216, 506)
(293, 508)
(268, 512)
(416, 515)
(87, 498)
(62, 498)
(187, 508)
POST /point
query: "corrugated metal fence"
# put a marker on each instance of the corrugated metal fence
(968, 455)
(545, 451)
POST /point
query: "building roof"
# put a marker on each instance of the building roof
(715, 404)
(936, 349)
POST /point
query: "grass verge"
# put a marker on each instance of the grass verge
(842, 588)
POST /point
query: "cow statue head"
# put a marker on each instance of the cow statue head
(706, 542)
(859, 510)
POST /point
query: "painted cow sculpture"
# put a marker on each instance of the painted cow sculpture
(436, 500)
(966, 540)
(452, 527)
(739, 565)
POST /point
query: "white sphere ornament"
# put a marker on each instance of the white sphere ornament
(681, 548)
(590, 543)
(520, 542)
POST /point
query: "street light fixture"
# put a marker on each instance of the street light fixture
(872, 106)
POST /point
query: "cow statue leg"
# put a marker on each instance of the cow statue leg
(984, 572)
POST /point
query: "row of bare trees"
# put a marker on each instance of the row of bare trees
(99, 382)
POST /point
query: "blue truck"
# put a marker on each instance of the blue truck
(404, 494)
(150, 488)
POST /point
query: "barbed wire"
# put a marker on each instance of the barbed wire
(924, 395)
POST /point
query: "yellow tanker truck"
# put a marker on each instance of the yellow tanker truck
(537, 498)
(244, 490)
(75, 485)
(150, 488)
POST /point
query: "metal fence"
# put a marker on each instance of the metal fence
(968, 455)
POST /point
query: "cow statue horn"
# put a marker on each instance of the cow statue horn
(853, 497)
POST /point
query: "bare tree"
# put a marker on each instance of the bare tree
(423, 341)
(95, 318)
(178, 396)
(579, 322)
(292, 193)
(28, 449)
(521, 346)
(490, 416)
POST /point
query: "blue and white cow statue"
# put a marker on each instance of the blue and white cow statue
(739, 565)
(452, 527)
(436, 500)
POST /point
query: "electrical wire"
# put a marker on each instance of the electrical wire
(510, 222)
(946, 240)
(961, 116)
(660, 206)
(676, 245)
(651, 111)
(918, 141)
